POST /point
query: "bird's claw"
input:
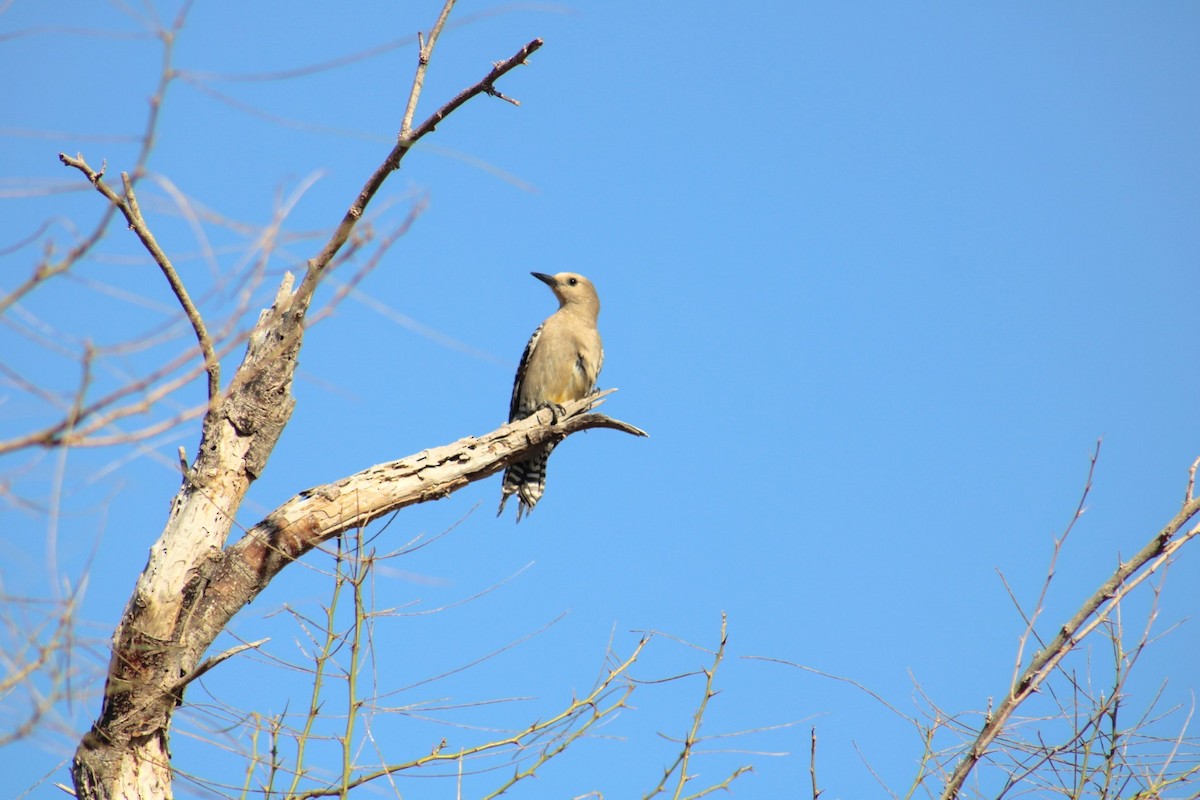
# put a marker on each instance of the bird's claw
(556, 411)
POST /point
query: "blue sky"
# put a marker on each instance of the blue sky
(874, 277)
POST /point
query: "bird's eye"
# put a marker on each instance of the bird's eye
(572, 281)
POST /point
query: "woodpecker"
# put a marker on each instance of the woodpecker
(560, 364)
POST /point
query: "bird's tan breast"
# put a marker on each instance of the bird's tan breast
(564, 363)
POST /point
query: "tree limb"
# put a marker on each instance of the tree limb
(1158, 551)
(127, 204)
(425, 50)
(317, 265)
(47, 268)
(323, 512)
(192, 583)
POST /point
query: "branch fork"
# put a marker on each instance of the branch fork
(173, 616)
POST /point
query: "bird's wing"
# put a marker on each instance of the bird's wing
(515, 404)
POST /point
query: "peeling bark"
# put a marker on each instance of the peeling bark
(126, 753)
(193, 583)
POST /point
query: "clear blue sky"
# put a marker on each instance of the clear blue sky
(875, 277)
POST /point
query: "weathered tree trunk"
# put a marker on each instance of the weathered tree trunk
(126, 753)
(193, 584)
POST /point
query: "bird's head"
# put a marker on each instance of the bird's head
(573, 291)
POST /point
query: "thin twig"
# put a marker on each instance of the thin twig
(62, 433)
(485, 86)
(1191, 484)
(871, 692)
(1040, 604)
(1127, 576)
(47, 268)
(693, 736)
(317, 266)
(424, 51)
(812, 764)
(213, 661)
(381, 250)
(128, 206)
(592, 701)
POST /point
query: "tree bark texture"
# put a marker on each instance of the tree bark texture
(126, 754)
(193, 584)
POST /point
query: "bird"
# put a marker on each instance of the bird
(560, 364)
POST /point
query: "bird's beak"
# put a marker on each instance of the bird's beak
(544, 278)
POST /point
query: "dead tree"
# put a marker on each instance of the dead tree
(194, 582)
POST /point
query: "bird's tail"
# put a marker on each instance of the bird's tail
(527, 480)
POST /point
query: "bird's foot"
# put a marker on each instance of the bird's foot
(556, 411)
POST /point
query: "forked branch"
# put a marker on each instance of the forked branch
(404, 143)
(193, 583)
(1095, 611)
(321, 513)
(127, 204)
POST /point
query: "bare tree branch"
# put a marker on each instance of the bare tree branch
(212, 662)
(812, 763)
(424, 52)
(193, 583)
(1094, 611)
(316, 266)
(128, 206)
(48, 268)
(323, 512)
(82, 421)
